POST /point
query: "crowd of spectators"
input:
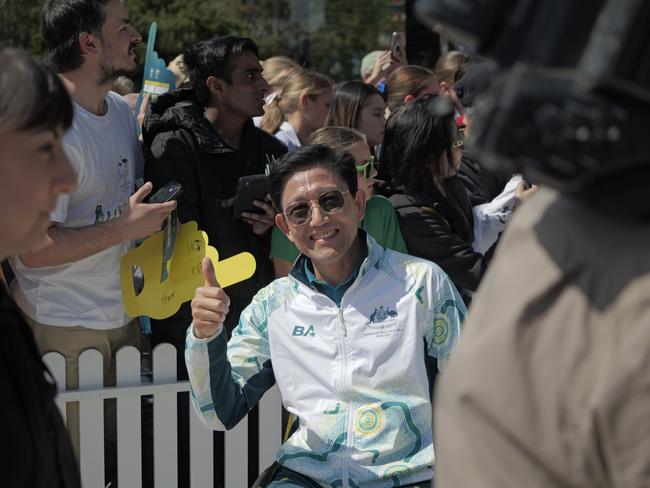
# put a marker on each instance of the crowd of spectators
(231, 116)
(376, 234)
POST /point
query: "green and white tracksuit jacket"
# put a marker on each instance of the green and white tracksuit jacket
(354, 375)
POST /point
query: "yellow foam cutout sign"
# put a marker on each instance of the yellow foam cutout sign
(161, 299)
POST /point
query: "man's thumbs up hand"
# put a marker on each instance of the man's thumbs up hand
(207, 268)
(210, 304)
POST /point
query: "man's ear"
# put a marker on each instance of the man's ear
(408, 99)
(215, 85)
(88, 43)
(281, 222)
(360, 202)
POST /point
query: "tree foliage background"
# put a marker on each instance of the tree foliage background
(344, 30)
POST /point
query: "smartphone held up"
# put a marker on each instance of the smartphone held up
(396, 48)
(397, 45)
(168, 192)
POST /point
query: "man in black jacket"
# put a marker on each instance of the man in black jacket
(204, 138)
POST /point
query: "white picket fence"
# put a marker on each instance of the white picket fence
(128, 392)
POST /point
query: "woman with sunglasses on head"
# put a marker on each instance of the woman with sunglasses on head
(422, 152)
(35, 112)
(359, 106)
(380, 220)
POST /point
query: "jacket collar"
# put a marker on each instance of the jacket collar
(375, 252)
(287, 129)
(181, 109)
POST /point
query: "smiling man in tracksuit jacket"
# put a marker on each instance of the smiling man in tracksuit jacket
(347, 336)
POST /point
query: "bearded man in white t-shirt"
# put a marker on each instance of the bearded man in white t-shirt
(70, 290)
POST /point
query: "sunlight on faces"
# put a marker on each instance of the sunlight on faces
(118, 40)
(325, 238)
(316, 108)
(247, 88)
(360, 152)
(372, 120)
(34, 171)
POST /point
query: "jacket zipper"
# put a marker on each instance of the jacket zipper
(343, 333)
(344, 360)
(345, 473)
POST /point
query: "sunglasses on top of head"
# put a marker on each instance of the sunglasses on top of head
(367, 167)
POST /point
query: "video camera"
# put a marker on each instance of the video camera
(571, 107)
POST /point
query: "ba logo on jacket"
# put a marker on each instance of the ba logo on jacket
(304, 331)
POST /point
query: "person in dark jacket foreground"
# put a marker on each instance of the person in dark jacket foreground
(204, 138)
(35, 112)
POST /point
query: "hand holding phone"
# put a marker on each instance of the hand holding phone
(396, 50)
(250, 188)
(397, 44)
(140, 219)
(168, 192)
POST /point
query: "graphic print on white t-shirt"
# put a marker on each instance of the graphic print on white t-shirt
(124, 185)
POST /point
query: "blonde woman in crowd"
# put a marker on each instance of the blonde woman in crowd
(360, 106)
(276, 69)
(299, 108)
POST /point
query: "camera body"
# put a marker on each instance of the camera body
(573, 98)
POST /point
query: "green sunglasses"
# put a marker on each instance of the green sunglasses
(367, 167)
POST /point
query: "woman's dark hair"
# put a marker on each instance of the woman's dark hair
(415, 139)
(349, 99)
(338, 162)
(63, 21)
(31, 95)
(212, 58)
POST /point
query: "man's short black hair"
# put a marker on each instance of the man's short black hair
(212, 58)
(338, 162)
(63, 22)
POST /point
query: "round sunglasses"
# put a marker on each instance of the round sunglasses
(330, 202)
